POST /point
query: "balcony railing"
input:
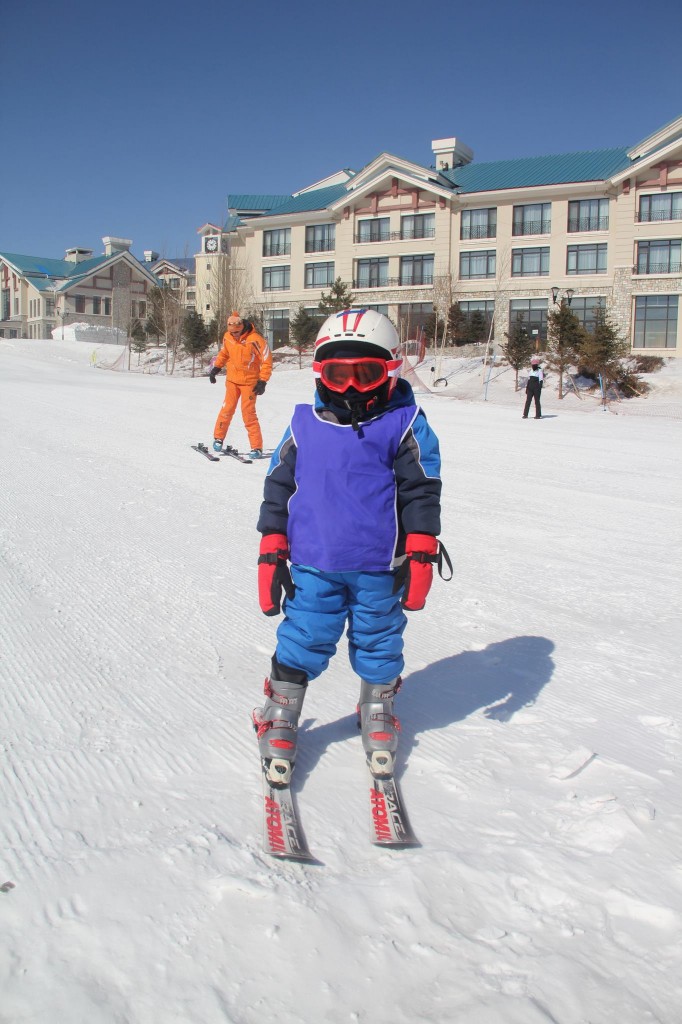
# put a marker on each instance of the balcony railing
(671, 267)
(394, 282)
(277, 250)
(480, 231)
(532, 227)
(395, 236)
(319, 246)
(655, 216)
(588, 223)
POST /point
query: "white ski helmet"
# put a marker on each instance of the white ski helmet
(361, 331)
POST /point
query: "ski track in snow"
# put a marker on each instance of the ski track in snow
(541, 728)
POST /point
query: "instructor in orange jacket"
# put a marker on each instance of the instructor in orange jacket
(248, 362)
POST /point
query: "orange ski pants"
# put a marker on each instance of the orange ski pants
(233, 394)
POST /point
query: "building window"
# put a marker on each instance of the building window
(79, 302)
(660, 257)
(372, 273)
(586, 259)
(5, 303)
(588, 215)
(412, 317)
(375, 230)
(477, 264)
(663, 207)
(418, 225)
(49, 307)
(380, 308)
(655, 321)
(16, 306)
(319, 275)
(585, 308)
(478, 318)
(97, 305)
(276, 279)
(416, 270)
(107, 307)
(532, 219)
(277, 243)
(479, 223)
(320, 238)
(530, 262)
(532, 313)
(277, 327)
(174, 282)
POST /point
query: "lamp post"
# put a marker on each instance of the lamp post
(568, 295)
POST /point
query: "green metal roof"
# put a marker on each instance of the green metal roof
(253, 203)
(316, 199)
(232, 223)
(593, 165)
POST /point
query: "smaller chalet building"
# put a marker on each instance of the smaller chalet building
(38, 294)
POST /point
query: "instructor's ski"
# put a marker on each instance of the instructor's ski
(232, 453)
(203, 450)
(389, 824)
(282, 834)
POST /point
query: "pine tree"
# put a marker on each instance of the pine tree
(477, 328)
(434, 327)
(564, 335)
(456, 324)
(138, 339)
(518, 348)
(602, 350)
(195, 336)
(303, 330)
(337, 298)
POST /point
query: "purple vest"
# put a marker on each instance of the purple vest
(343, 515)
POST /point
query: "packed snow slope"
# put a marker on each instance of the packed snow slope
(541, 710)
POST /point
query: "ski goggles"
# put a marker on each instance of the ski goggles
(363, 374)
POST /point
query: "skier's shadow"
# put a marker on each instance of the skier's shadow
(501, 679)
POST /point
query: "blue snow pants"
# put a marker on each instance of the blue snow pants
(316, 615)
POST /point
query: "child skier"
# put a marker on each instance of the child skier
(352, 497)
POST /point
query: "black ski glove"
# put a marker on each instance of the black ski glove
(259, 387)
(213, 374)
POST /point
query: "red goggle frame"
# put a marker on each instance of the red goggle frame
(363, 374)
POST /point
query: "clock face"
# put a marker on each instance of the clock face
(211, 245)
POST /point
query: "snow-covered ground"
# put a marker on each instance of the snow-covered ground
(541, 713)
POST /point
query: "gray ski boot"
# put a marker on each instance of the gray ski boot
(379, 725)
(276, 723)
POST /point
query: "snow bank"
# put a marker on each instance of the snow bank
(90, 333)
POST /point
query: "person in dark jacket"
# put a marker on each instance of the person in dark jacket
(352, 498)
(534, 388)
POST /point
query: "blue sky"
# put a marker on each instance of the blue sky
(138, 119)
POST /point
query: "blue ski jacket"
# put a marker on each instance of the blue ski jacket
(347, 498)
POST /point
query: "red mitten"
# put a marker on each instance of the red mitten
(416, 572)
(273, 573)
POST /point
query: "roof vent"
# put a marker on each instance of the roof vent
(77, 255)
(450, 153)
(150, 256)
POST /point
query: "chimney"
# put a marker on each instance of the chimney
(450, 153)
(112, 245)
(150, 256)
(77, 255)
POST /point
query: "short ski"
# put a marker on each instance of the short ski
(389, 824)
(232, 453)
(282, 835)
(203, 450)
